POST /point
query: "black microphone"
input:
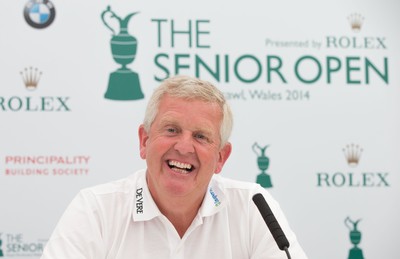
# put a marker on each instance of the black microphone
(272, 223)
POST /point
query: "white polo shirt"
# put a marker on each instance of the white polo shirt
(119, 220)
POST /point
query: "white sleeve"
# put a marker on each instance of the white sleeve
(78, 234)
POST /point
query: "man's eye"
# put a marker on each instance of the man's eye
(171, 130)
(200, 136)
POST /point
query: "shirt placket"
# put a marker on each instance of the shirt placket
(176, 243)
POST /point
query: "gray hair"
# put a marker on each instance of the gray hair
(186, 87)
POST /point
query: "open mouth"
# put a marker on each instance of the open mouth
(180, 167)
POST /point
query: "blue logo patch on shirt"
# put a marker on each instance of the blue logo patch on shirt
(215, 198)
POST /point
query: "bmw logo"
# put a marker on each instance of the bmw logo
(39, 13)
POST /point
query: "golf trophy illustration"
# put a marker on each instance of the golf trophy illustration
(355, 238)
(263, 163)
(124, 83)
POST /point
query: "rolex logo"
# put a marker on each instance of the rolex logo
(31, 77)
(356, 21)
(352, 154)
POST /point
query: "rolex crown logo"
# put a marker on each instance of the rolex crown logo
(353, 154)
(356, 21)
(31, 77)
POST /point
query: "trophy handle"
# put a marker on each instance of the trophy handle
(354, 223)
(255, 145)
(262, 149)
(113, 15)
(346, 222)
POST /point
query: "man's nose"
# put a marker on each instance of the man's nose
(184, 144)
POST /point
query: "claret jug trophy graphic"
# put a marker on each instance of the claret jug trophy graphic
(1, 250)
(263, 163)
(355, 238)
(124, 83)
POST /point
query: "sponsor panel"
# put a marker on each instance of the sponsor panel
(39, 14)
(353, 178)
(46, 165)
(17, 245)
(251, 76)
(287, 77)
(35, 101)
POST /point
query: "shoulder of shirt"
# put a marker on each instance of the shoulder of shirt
(125, 185)
(243, 189)
(228, 183)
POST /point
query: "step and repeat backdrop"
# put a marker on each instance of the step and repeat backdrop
(314, 87)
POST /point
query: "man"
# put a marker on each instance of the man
(179, 207)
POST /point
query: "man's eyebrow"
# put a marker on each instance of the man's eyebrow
(168, 120)
(205, 130)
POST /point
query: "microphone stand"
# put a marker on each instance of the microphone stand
(287, 252)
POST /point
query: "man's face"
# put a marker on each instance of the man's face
(182, 148)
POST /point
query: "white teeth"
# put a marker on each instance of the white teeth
(180, 165)
(180, 170)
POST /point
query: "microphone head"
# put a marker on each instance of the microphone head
(271, 221)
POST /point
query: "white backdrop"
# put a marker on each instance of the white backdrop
(344, 90)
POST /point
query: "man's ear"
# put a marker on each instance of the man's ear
(224, 154)
(143, 137)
